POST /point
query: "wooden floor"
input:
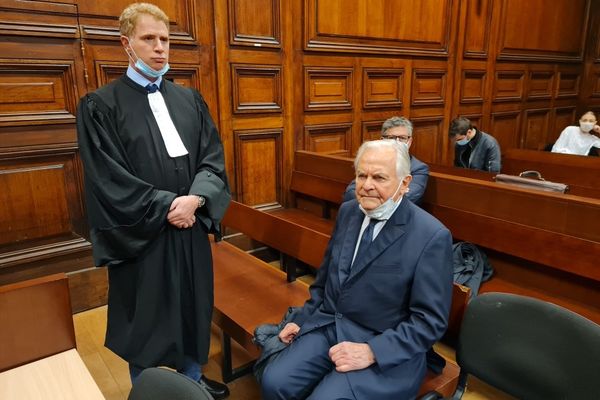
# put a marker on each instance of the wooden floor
(112, 376)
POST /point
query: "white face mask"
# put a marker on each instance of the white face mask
(586, 126)
(385, 210)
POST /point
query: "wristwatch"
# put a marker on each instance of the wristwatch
(201, 201)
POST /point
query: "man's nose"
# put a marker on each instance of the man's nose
(159, 46)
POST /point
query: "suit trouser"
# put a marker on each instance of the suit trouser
(304, 371)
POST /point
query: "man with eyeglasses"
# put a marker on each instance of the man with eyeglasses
(473, 148)
(400, 129)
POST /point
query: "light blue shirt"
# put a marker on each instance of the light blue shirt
(141, 79)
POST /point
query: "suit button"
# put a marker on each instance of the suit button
(338, 315)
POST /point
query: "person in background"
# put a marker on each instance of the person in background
(401, 130)
(473, 148)
(579, 140)
(381, 297)
(155, 187)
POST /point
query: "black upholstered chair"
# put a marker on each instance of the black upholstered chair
(164, 384)
(529, 349)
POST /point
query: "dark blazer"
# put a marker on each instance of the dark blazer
(420, 173)
(396, 298)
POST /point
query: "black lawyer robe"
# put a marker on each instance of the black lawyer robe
(160, 296)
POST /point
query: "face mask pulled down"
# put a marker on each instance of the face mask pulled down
(385, 210)
(145, 68)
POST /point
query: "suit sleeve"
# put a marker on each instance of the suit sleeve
(494, 158)
(429, 306)
(420, 175)
(350, 193)
(317, 289)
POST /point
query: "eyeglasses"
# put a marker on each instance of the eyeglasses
(403, 139)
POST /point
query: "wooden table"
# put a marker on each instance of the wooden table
(62, 376)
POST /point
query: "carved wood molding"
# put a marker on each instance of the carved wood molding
(383, 87)
(327, 88)
(38, 29)
(34, 92)
(428, 87)
(328, 138)
(540, 85)
(318, 40)
(256, 88)
(61, 247)
(508, 86)
(271, 39)
(259, 167)
(472, 86)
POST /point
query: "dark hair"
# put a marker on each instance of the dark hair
(459, 126)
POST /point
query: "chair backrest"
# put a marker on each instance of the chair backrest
(164, 384)
(35, 320)
(530, 349)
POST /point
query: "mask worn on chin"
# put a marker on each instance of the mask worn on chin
(145, 68)
(463, 142)
(385, 210)
(586, 126)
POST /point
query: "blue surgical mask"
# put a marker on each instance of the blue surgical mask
(145, 68)
(385, 210)
(463, 142)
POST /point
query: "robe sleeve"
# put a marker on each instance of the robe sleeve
(210, 180)
(125, 213)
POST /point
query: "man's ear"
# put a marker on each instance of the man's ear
(125, 42)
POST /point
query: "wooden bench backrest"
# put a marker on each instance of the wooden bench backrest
(35, 320)
(308, 177)
(580, 173)
(547, 228)
(290, 238)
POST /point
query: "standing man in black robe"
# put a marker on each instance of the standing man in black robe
(155, 187)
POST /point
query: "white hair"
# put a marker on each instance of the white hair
(401, 149)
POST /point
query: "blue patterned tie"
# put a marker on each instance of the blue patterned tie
(151, 88)
(365, 240)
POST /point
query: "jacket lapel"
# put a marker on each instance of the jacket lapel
(391, 232)
(349, 242)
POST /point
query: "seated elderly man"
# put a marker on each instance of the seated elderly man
(400, 129)
(380, 299)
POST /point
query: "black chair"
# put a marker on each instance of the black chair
(528, 348)
(164, 384)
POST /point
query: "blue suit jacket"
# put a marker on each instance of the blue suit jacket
(420, 173)
(396, 298)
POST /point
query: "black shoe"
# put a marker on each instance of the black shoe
(216, 389)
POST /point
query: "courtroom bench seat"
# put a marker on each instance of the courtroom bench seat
(249, 292)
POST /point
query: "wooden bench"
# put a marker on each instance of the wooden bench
(248, 292)
(580, 173)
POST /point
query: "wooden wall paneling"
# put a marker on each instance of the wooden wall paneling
(472, 86)
(99, 20)
(477, 28)
(328, 138)
(383, 88)
(37, 92)
(427, 138)
(535, 129)
(328, 88)
(509, 83)
(428, 87)
(256, 88)
(410, 27)
(258, 166)
(530, 30)
(569, 82)
(43, 211)
(255, 23)
(540, 84)
(505, 127)
(371, 130)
